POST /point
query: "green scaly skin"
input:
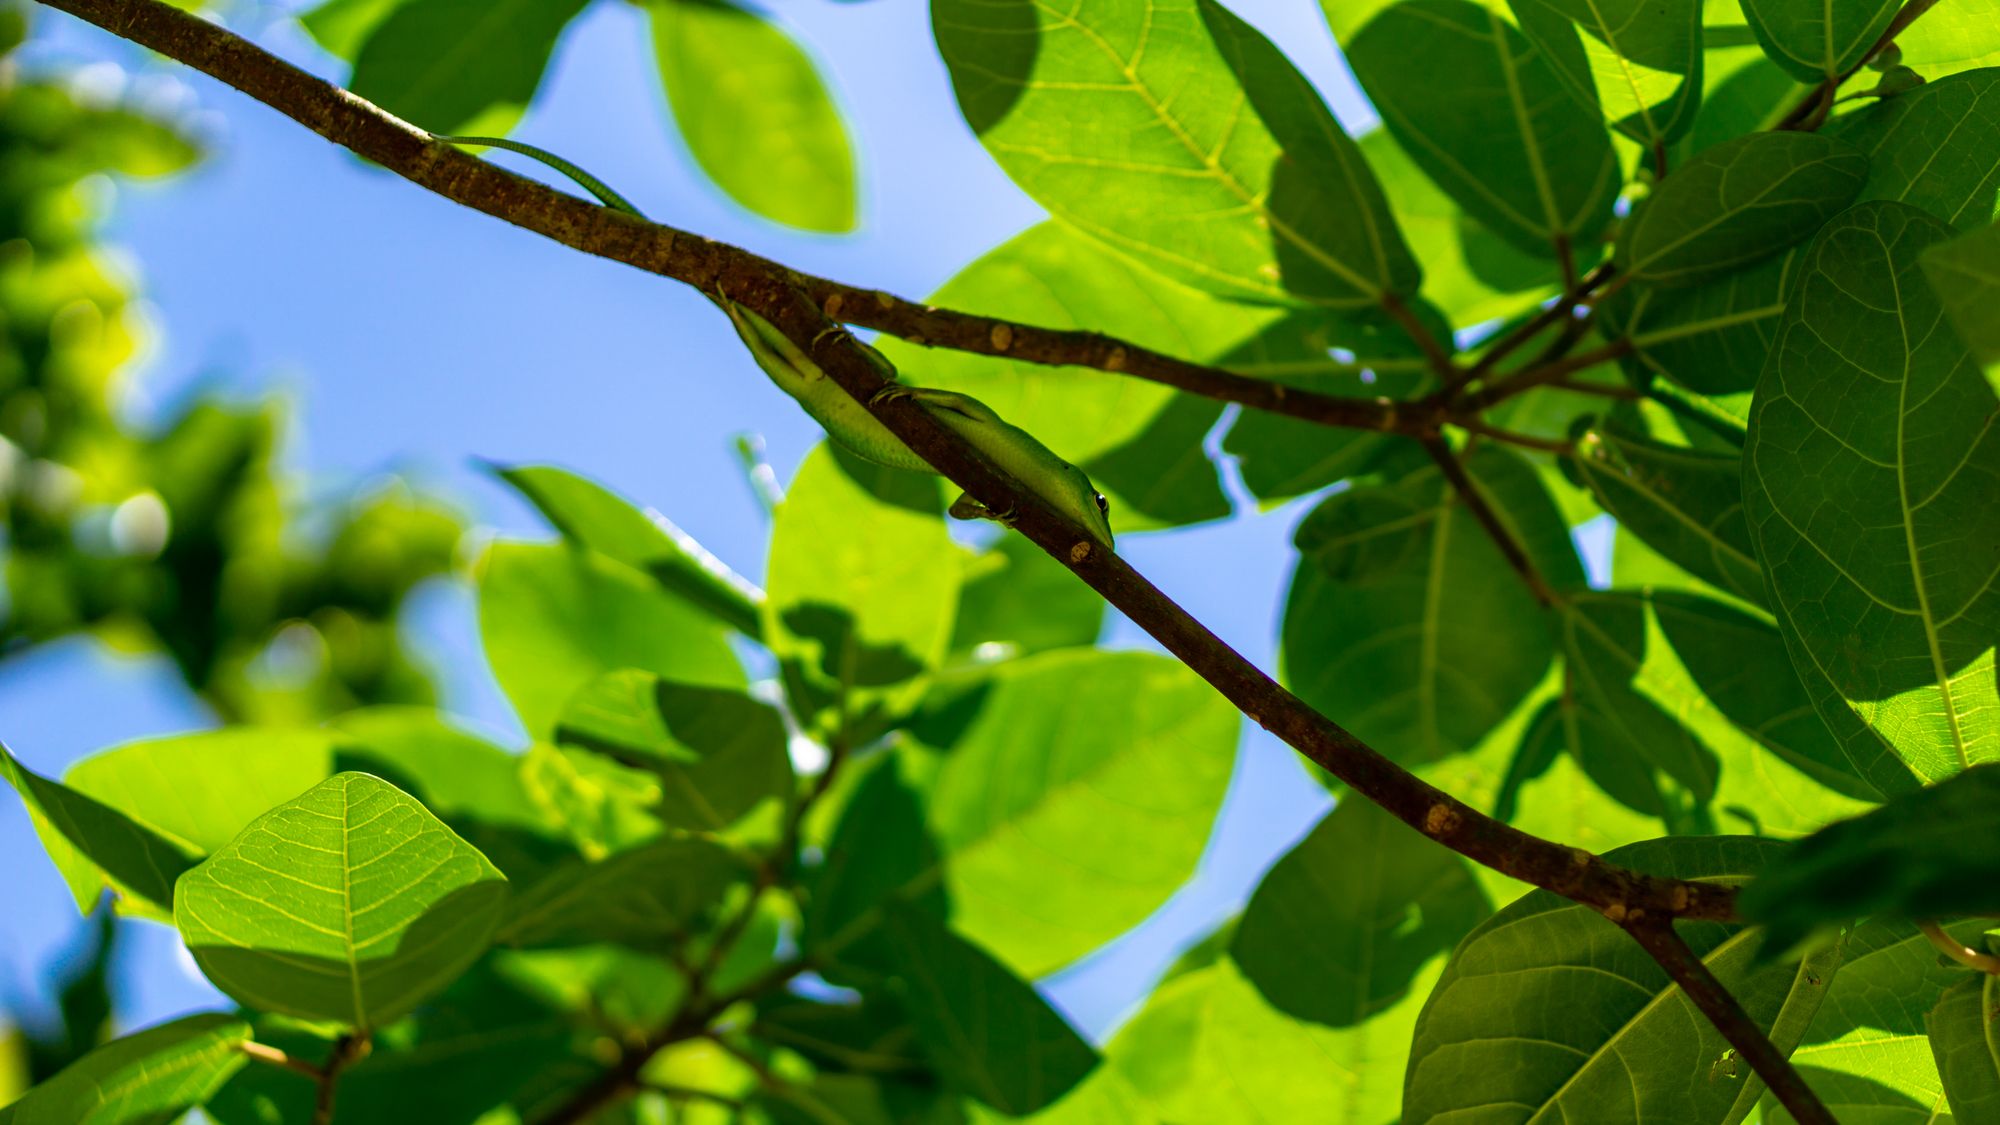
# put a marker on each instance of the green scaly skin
(848, 422)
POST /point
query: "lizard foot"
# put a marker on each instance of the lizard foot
(890, 393)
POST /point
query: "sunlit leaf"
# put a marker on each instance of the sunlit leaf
(755, 112)
(553, 618)
(1637, 62)
(1176, 133)
(151, 1076)
(350, 904)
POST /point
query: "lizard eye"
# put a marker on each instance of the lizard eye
(1103, 505)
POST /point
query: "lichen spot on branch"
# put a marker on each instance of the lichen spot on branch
(1079, 552)
(1440, 820)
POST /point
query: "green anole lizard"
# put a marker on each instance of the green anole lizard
(849, 423)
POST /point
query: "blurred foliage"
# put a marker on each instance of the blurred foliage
(190, 537)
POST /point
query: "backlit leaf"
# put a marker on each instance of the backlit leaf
(755, 112)
(1868, 480)
(1503, 137)
(1176, 133)
(96, 847)
(1638, 62)
(350, 904)
(1967, 1046)
(1816, 41)
(460, 66)
(152, 1076)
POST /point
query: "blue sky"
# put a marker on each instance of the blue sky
(415, 337)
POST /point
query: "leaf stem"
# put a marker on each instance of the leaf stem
(1656, 935)
(1488, 519)
(272, 1056)
(1958, 951)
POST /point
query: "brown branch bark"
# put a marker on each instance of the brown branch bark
(1489, 520)
(778, 295)
(1692, 974)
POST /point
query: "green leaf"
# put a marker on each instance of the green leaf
(1936, 147)
(201, 789)
(1140, 442)
(1965, 272)
(1740, 665)
(1637, 62)
(599, 805)
(1174, 132)
(1713, 338)
(1746, 767)
(755, 112)
(1685, 503)
(1502, 137)
(1737, 203)
(717, 753)
(96, 847)
(457, 775)
(648, 897)
(460, 66)
(1967, 1048)
(590, 515)
(985, 1029)
(1470, 273)
(1818, 41)
(1406, 623)
(1953, 37)
(1023, 602)
(1548, 1009)
(1868, 481)
(1865, 1053)
(1929, 853)
(1108, 765)
(1281, 456)
(1208, 1047)
(554, 618)
(350, 904)
(340, 27)
(1343, 924)
(152, 1076)
(862, 584)
(881, 850)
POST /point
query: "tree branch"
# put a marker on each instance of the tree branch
(1489, 520)
(1692, 974)
(774, 293)
(347, 1050)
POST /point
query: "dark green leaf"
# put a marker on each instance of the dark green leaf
(755, 112)
(1967, 1047)
(1966, 274)
(862, 584)
(1936, 147)
(1502, 137)
(460, 66)
(1865, 1053)
(454, 773)
(590, 515)
(554, 618)
(880, 850)
(1926, 854)
(350, 904)
(1737, 203)
(1343, 924)
(717, 752)
(984, 1028)
(1549, 1009)
(152, 1076)
(1740, 665)
(1018, 598)
(340, 27)
(1406, 623)
(1638, 62)
(647, 897)
(1868, 480)
(1175, 132)
(1684, 503)
(96, 847)
(1818, 41)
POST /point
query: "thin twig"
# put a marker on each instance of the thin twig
(1435, 353)
(1530, 378)
(272, 1056)
(1509, 437)
(1958, 951)
(1489, 520)
(1563, 306)
(347, 1050)
(1657, 936)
